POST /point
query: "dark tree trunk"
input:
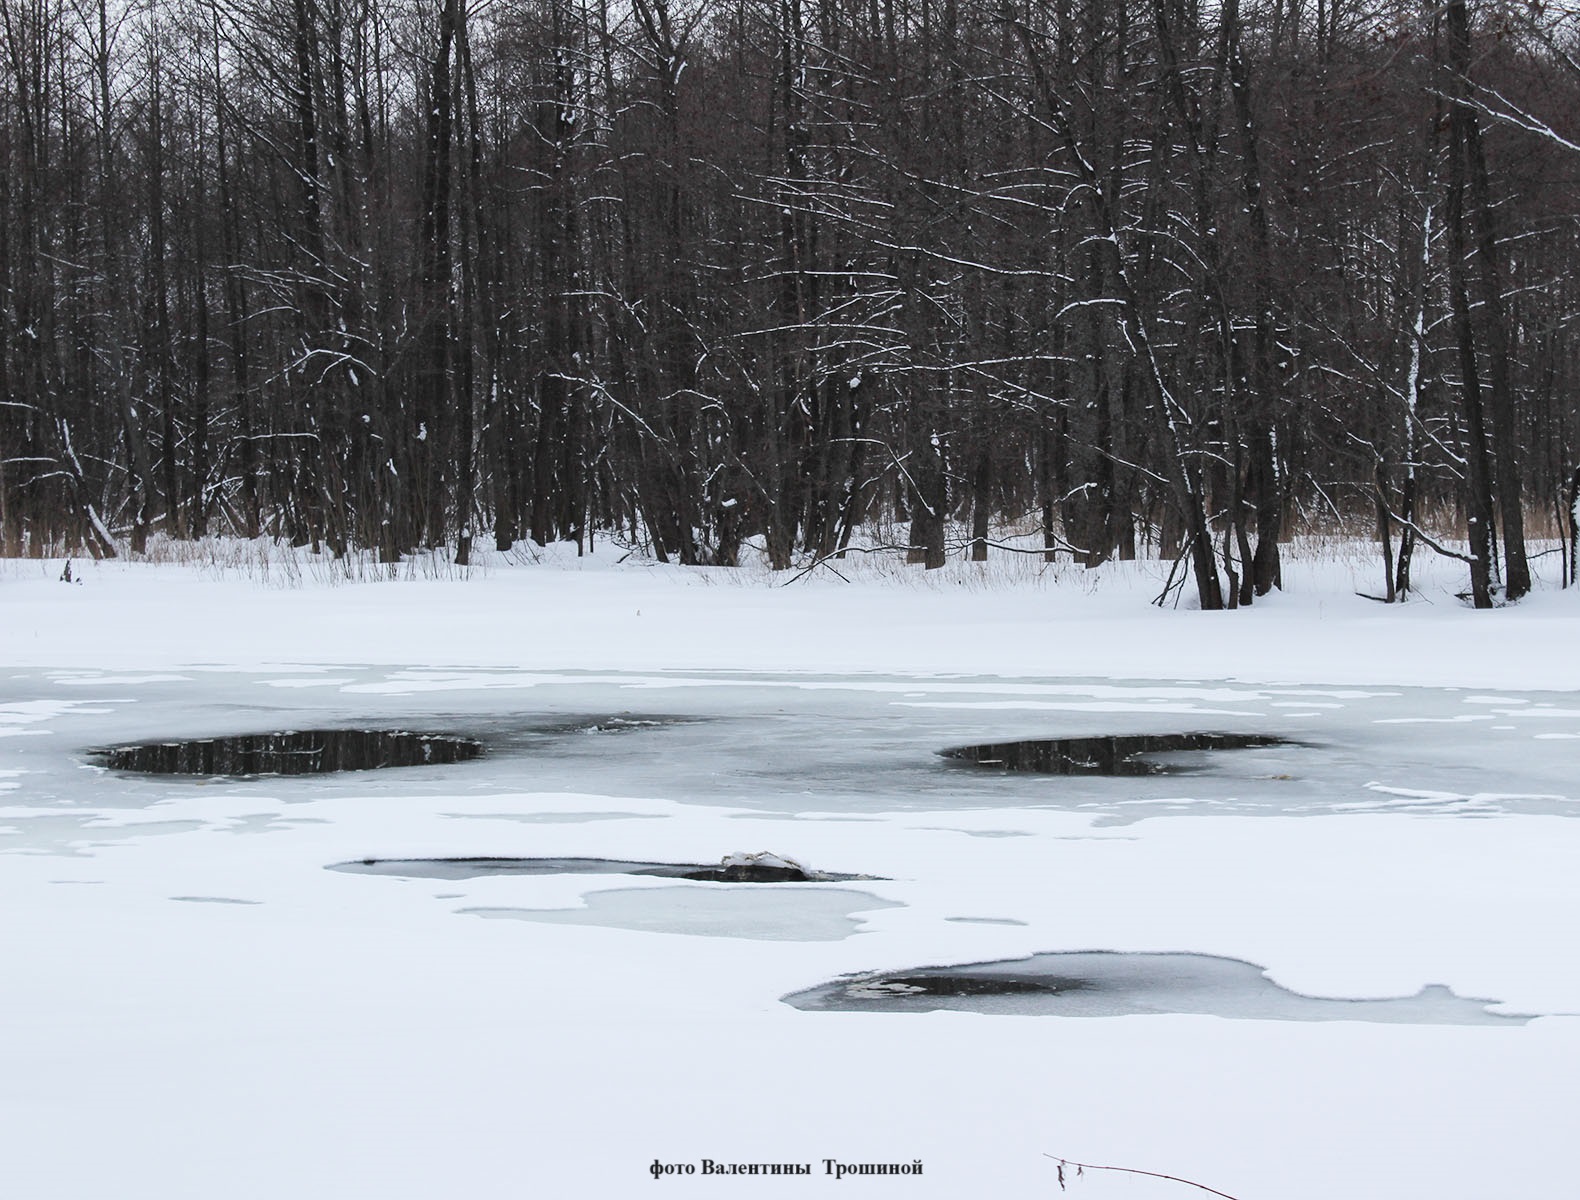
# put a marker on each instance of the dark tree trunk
(981, 505)
(1494, 321)
(1478, 482)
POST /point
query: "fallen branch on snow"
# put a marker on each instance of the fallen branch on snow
(1082, 1168)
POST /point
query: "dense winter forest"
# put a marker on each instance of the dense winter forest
(1149, 276)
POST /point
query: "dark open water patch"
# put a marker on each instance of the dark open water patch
(477, 868)
(1124, 754)
(293, 752)
(1109, 984)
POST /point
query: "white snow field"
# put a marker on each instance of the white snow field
(193, 1005)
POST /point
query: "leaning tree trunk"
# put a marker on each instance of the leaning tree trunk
(1574, 525)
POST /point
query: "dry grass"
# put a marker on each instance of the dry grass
(1317, 539)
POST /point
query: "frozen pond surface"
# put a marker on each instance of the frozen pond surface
(594, 774)
(789, 745)
(193, 983)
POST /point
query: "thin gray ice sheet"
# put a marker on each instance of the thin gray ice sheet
(799, 915)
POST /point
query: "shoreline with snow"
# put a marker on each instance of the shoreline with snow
(1003, 619)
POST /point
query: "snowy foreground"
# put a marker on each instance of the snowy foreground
(191, 1005)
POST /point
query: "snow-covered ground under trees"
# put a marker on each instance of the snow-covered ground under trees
(192, 1005)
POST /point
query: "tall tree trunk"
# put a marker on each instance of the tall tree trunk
(1478, 483)
(434, 384)
(1493, 311)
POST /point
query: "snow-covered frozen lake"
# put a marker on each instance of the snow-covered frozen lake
(195, 1005)
(851, 746)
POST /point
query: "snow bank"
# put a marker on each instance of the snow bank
(602, 613)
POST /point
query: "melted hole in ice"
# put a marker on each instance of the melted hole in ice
(475, 868)
(1109, 984)
(293, 752)
(1117, 755)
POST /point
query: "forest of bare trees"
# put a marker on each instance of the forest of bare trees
(1161, 276)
